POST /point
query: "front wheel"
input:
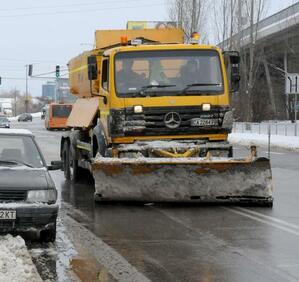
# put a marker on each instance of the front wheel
(71, 168)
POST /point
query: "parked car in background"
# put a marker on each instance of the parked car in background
(25, 117)
(27, 192)
(4, 122)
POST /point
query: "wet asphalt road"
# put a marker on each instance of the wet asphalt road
(183, 242)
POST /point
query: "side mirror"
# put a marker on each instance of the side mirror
(232, 62)
(235, 78)
(92, 67)
(55, 165)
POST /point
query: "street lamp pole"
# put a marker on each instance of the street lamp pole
(26, 93)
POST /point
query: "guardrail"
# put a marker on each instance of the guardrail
(274, 128)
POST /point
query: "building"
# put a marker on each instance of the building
(6, 106)
(48, 90)
(58, 91)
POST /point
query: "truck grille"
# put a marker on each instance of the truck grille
(12, 195)
(152, 121)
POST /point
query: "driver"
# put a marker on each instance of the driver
(127, 79)
(189, 72)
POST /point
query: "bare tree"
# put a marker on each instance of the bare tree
(252, 54)
(223, 20)
(190, 15)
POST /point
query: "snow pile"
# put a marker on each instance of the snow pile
(15, 261)
(289, 142)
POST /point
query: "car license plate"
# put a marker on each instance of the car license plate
(204, 122)
(8, 214)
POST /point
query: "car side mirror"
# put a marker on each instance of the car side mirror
(55, 165)
(92, 67)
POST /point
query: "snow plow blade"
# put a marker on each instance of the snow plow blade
(183, 180)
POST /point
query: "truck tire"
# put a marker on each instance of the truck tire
(99, 143)
(73, 166)
(65, 159)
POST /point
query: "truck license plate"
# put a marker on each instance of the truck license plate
(204, 122)
(8, 214)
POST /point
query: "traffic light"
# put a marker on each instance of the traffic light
(57, 71)
(30, 70)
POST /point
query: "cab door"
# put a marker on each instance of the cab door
(104, 92)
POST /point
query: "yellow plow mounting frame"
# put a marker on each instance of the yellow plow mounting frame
(184, 179)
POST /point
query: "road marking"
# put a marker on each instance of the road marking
(244, 212)
(280, 221)
(273, 153)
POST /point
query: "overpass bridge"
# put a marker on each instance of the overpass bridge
(277, 40)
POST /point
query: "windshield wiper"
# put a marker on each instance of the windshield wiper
(198, 84)
(144, 88)
(16, 163)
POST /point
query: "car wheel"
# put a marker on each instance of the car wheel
(48, 235)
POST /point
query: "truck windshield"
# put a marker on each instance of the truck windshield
(169, 72)
(61, 111)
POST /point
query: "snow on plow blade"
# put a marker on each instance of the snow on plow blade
(183, 180)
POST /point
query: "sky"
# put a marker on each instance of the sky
(49, 33)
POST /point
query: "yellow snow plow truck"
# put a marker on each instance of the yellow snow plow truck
(152, 119)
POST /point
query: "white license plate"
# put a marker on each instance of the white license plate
(204, 122)
(8, 214)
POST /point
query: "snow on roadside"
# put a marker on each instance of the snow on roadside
(281, 141)
(15, 261)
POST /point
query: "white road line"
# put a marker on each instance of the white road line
(268, 222)
(274, 219)
(273, 153)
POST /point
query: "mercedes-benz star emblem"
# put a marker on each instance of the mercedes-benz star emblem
(172, 120)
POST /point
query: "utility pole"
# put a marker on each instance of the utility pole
(15, 98)
(26, 93)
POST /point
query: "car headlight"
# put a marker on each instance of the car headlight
(42, 196)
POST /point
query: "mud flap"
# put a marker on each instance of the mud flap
(183, 180)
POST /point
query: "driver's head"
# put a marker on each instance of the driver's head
(127, 64)
(191, 66)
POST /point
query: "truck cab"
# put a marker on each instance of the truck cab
(141, 89)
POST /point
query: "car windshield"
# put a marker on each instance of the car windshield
(61, 111)
(3, 119)
(177, 72)
(18, 150)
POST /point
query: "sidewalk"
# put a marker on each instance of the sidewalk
(288, 142)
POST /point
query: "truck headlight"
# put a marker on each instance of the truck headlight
(138, 109)
(42, 196)
(206, 107)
